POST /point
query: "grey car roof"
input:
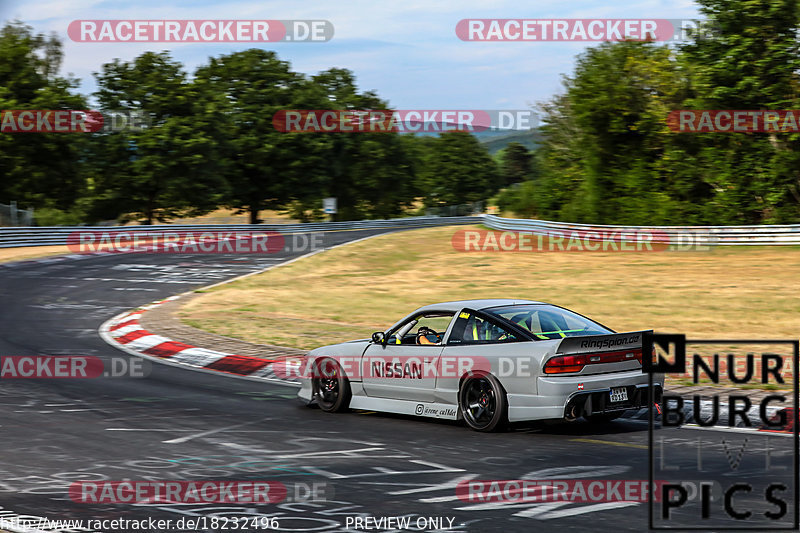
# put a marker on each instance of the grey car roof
(475, 304)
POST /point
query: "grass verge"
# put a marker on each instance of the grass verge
(351, 291)
(30, 252)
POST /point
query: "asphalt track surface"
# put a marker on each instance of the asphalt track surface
(177, 424)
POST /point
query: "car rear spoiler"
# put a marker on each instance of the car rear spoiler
(602, 343)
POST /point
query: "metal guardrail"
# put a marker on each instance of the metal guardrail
(765, 235)
(11, 237)
(711, 235)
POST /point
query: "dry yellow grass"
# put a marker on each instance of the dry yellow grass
(349, 292)
(30, 252)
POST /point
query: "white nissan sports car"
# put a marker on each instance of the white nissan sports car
(488, 362)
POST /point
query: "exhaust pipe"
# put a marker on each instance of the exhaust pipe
(574, 409)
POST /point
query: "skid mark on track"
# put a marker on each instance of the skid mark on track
(181, 440)
(572, 511)
(611, 443)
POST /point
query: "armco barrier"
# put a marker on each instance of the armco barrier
(57, 235)
(711, 235)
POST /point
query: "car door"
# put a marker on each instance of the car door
(402, 368)
(477, 342)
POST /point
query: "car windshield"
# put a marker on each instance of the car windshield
(549, 322)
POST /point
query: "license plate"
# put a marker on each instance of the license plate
(619, 394)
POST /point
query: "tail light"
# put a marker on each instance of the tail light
(567, 364)
(563, 364)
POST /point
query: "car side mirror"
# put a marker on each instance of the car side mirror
(378, 337)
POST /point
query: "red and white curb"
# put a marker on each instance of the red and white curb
(126, 333)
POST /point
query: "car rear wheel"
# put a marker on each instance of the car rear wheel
(331, 387)
(483, 403)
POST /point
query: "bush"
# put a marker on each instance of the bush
(520, 199)
(50, 216)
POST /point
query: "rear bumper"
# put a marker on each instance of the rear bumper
(559, 395)
(597, 402)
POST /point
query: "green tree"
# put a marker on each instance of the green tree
(516, 164)
(41, 170)
(751, 62)
(609, 157)
(170, 168)
(371, 173)
(266, 168)
(457, 169)
(601, 160)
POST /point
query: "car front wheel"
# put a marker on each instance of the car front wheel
(483, 403)
(331, 387)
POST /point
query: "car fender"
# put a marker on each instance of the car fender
(347, 354)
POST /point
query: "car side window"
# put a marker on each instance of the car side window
(425, 329)
(475, 329)
(547, 325)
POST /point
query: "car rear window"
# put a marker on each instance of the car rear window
(548, 321)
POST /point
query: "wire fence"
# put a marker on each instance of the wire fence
(11, 215)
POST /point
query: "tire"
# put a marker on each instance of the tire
(483, 403)
(604, 417)
(330, 386)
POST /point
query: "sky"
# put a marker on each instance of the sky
(407, 52)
